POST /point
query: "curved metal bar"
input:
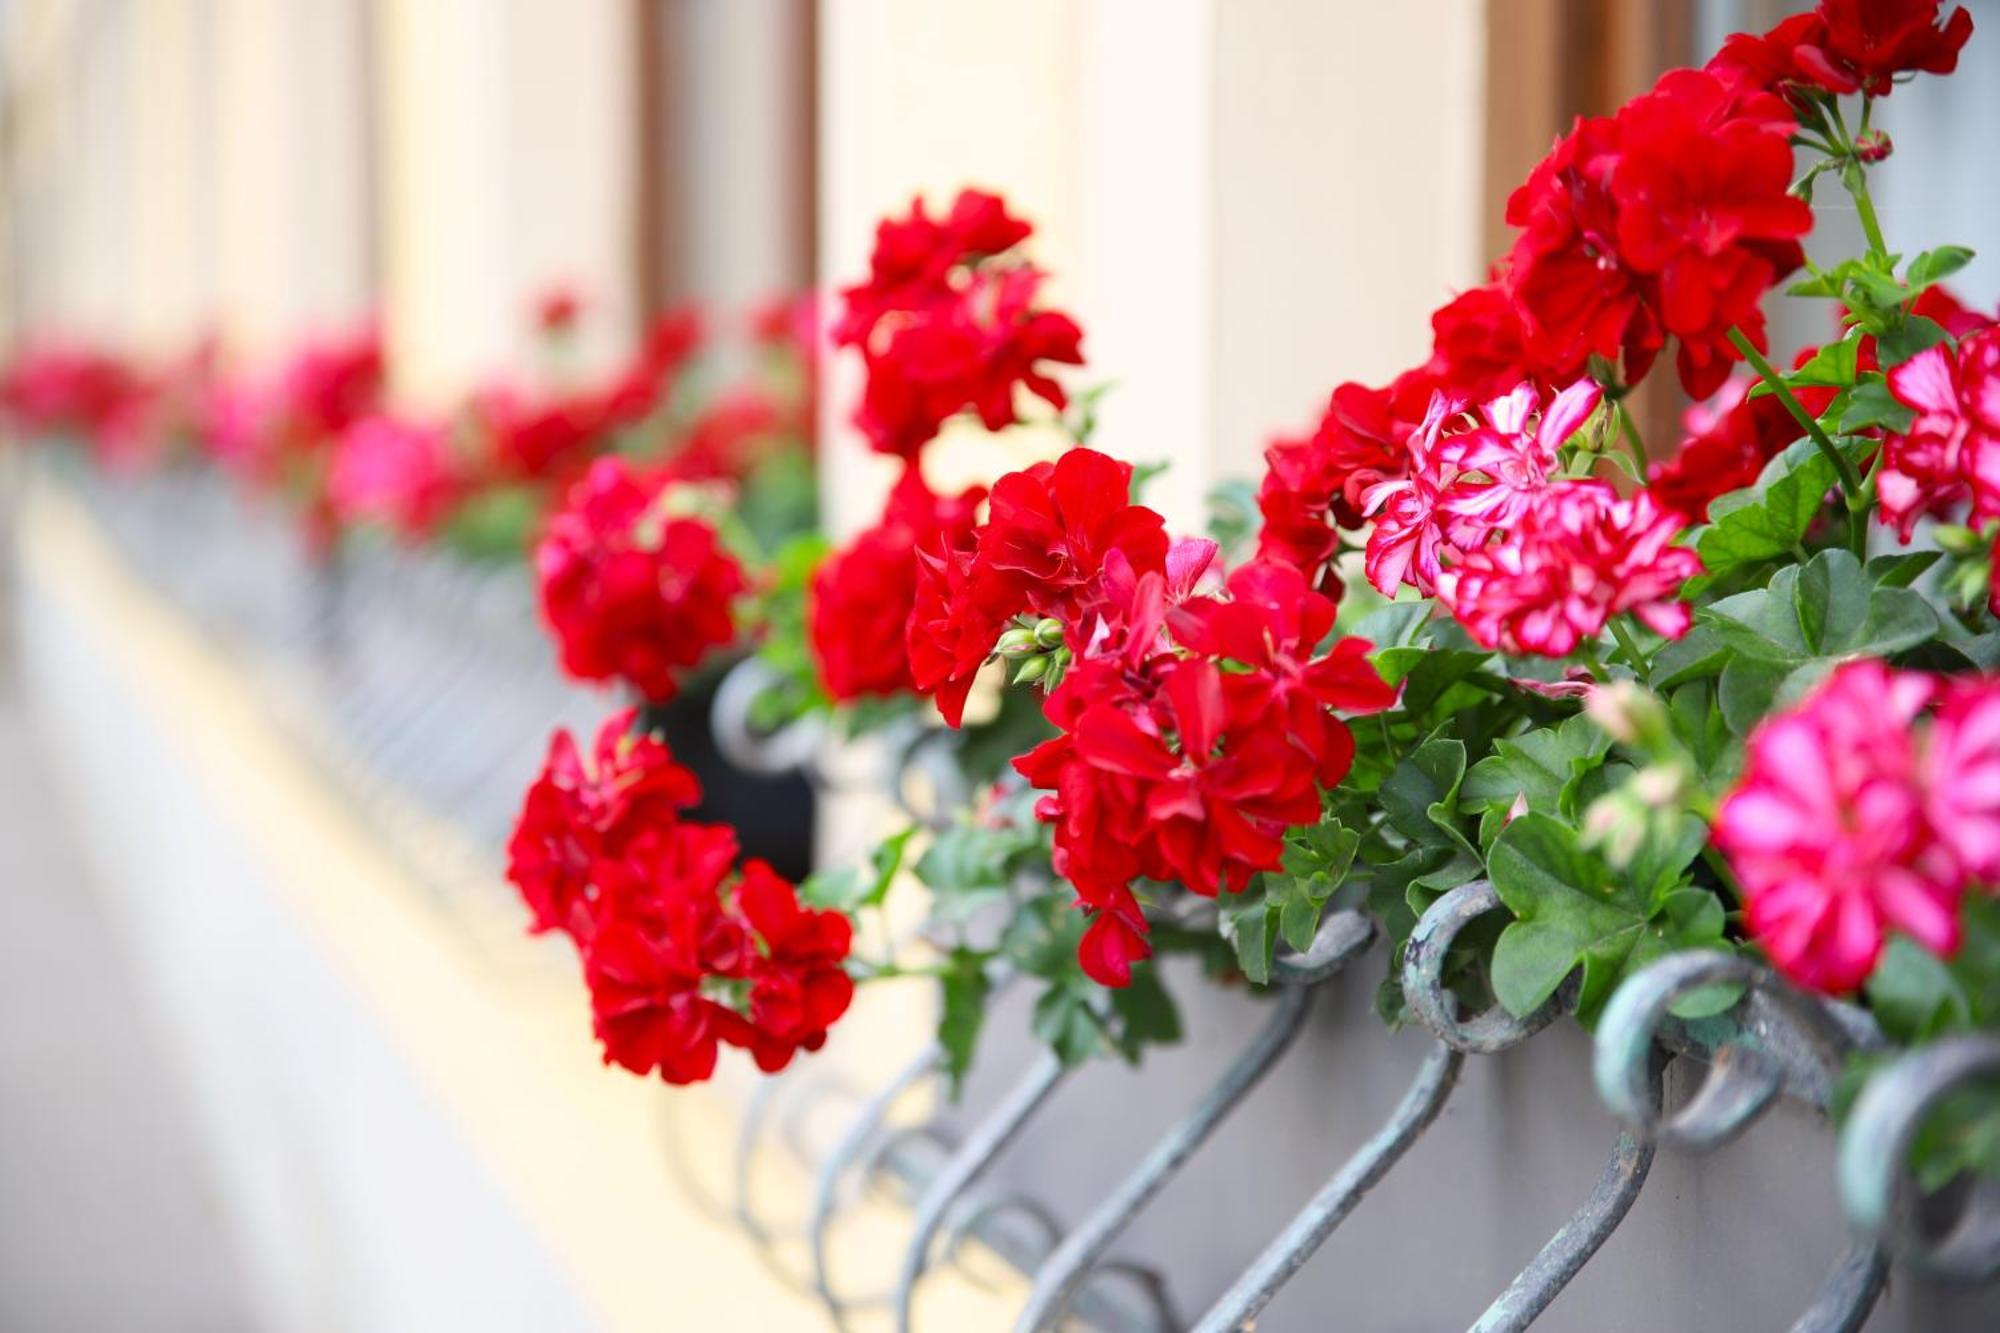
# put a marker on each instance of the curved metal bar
(1875, 1185)
(1342, 937)
(1529, 1294)
(1774, 1039)
(1434, 1005)
(826, 1185)
(1849, 1294)
(973, 1156)
(1070, 1265)
(1327, 1209)
(980, 1214)
(781, 751)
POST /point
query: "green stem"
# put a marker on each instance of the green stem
(1714, 860)
(1864, 207)
(1855, 177)
(1626, 646)
(1850, 480)
(1629, 429)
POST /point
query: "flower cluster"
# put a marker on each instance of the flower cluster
(1670, 219)
(681, 950)
(945, 324)
(633, 586)
(949, 322)
(1849, 46)
(1855, 815)
(1193, 729)
(396, 472)
(1529, 561)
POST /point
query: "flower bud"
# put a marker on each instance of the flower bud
(1629, 714)
(1957, 539)
(1049, 632)
(1615, 825)
(1033, 669)
(1873, 146)
(1016, 643)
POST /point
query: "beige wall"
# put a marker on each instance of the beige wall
(1245, 204)
(507, 143)
(918, 97)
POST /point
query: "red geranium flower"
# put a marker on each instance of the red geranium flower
(576, 813)
(1274, 625)
(915, 256)
(863, 596)
(633, 591)
(1050, 526)
(967, 352)
(1671, 218)
(1848, 46)
(1311, 485)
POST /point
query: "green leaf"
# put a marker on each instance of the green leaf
(1745, 692)
(1895, 346)
(1871, 404)
(1247, 923)
(1572, 911)
(1542, 766)
(1420, 797)
(885, 861)
(1768, 519)
(1832, 365)
(1700, 653)
(1914, 995)
(1933, 266)
(1316, 861)
(1429, 680)
(1145, 1014)
(1702, 728)
(962, 1011)
(1529, 963)
(1824, 609)
(1399, 624)
(1899, 569)
(1831, 598)
(1063, 1022)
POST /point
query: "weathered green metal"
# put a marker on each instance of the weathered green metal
(1875, 1185)
(1288, 1253)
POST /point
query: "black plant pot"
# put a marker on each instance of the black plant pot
(772, 815)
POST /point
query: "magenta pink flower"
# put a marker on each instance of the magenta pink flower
(1828, 834)
(1961, 764)
(1472, 475)
(1576, 557)
(1951, 452)
(399, 473)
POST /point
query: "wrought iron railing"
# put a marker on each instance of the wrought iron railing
(415, 730)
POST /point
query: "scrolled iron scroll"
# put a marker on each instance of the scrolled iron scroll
(748, 747)
(1773, 1039)
(1433, 1003)
(1488, 1033)
(1881, 1199)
